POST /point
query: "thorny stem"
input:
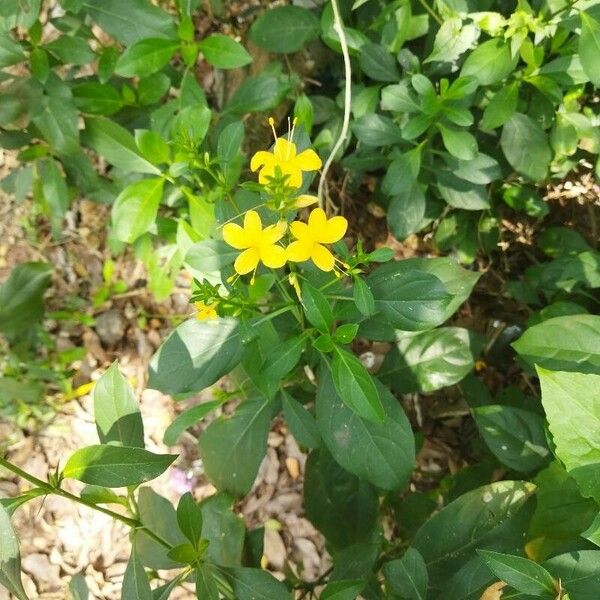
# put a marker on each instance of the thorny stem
(57, 491)
(339, 28)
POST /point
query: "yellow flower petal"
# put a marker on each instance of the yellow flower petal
(322, 258)
(305, 200)
(273, 233)
(299, 230)
(317, 221)
(252, 225)
(284, 150)
(261, 159)
(299, 251)
(273, 256)
(247, 261)
(235, 236)
(308, 160)
(294, 179)
(334, 231)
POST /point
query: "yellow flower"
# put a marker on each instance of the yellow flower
(285, 158)
(305, 200)
(206, 311)
(311, 237)
(257, 243)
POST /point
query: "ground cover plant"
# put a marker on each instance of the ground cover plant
(407, 261)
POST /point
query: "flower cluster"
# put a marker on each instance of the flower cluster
(280, 172)
(260, 244)
(280, 175)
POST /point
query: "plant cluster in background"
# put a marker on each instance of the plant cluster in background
(461, 113)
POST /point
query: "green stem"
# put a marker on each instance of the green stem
(431, 12)
(50, 489)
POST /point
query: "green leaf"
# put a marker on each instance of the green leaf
(408, 576)
(561, 514)
(189, 519)
(40, 67)
(131, 21)
(152, 146)
(381, 453)
(515, 436)
(115, 466)
(589, 47)
(257, 94)
(283, 358)
(206, 586)
(210, 257)
(146, 57)
(406, 212)
(363, 297)
(136, 207)
(479, 519)
(481, 170)
(21, 297)
(402, 173)
(376, 130)
(187, 418)
(568, 343)
(10, 558)
(11, 52)
(244, 434)
(522, 574)
(256, 584)
(356, 386)
(135, 581)
(501, 107)
(116, 411)
(97, 98)
(223, 52)
(192, 123)
(107, 63)
(578, 572)
(116, 144)
(458, 142)
(195, 355)
(333, 498)
(316, 308)
(525, 145)
(572, 405)
(344, 589)
(55, 192)
(57, 121)
(426, 361)
(357, 561)
(452, 40)
(409, 300)
(566, 273)
(284, 29)
(78, 587)
(230, 140)
(158, 514)
(224, 530)
(490, 62)
(461, 193)
(399, 98)
(301, 422)
(377, 62)
(71, 50)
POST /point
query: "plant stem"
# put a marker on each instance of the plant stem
(338, 26)
(430, 10)
(50, 489)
